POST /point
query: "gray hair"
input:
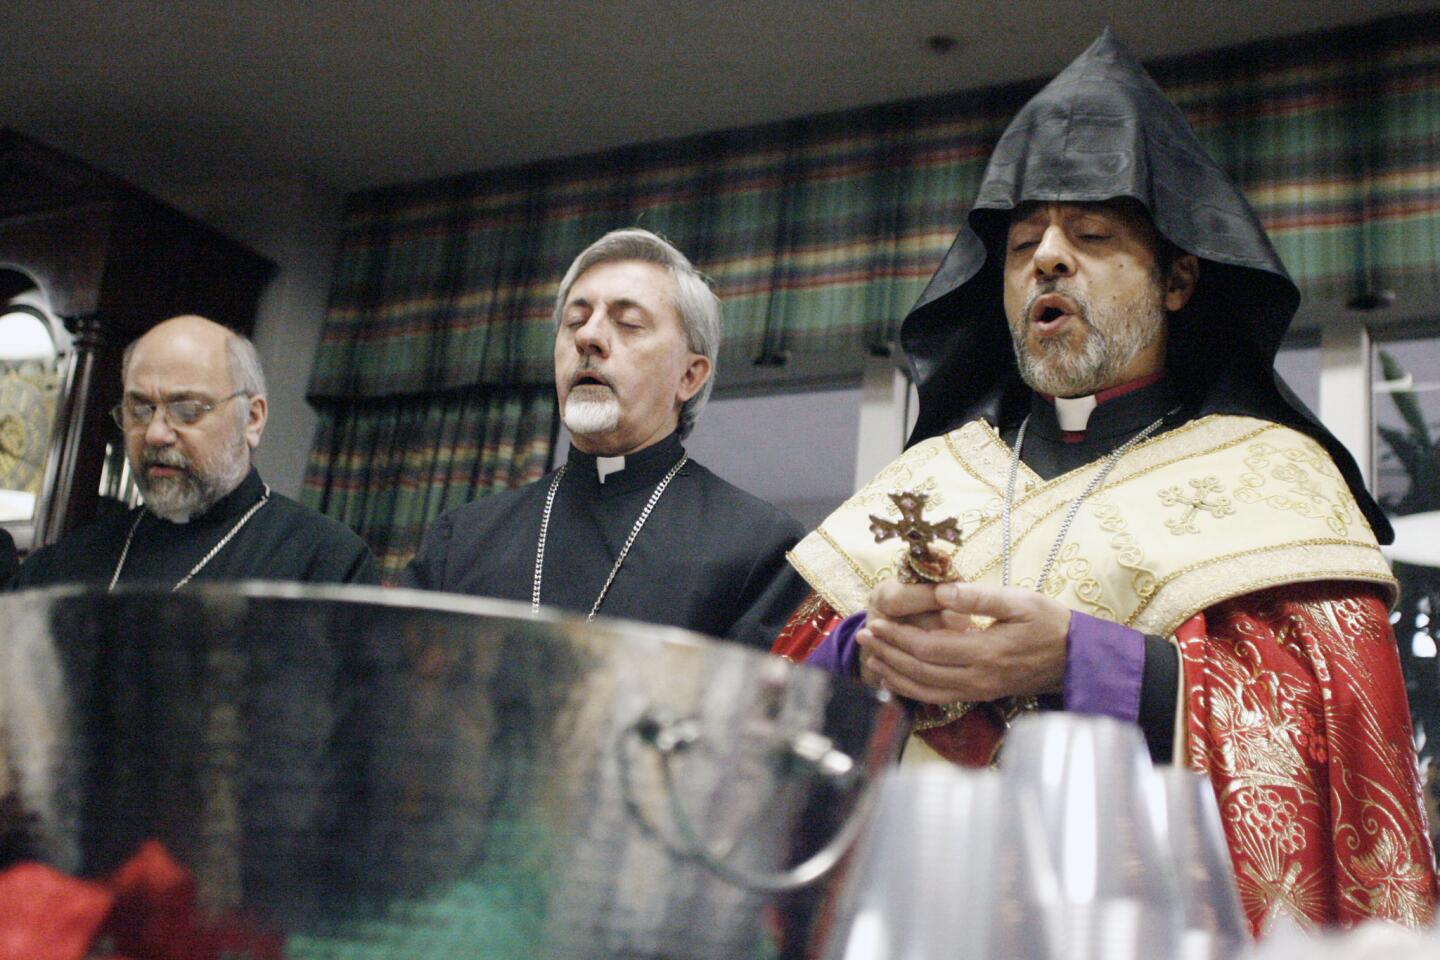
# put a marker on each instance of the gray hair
(695, 302)
(245, 370)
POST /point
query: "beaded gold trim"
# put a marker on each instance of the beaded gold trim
(819, 583)
(1293, 571)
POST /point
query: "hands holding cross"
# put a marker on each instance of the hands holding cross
(920, 639)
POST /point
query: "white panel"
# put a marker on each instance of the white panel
(1345, 391)
(880, 434)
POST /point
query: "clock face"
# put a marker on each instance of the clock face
(27, 411)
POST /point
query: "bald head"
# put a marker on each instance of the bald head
(195, 409)
(197, 334)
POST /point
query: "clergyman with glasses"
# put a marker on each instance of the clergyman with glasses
(192, 414)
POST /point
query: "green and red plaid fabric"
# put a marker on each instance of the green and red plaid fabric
(388, 468)
(819, 233)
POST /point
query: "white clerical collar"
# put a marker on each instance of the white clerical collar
(604, 466)
(1073, 413)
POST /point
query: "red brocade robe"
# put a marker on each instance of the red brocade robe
(1292, 698)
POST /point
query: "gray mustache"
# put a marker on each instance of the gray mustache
(164, 457)
(1053, 286)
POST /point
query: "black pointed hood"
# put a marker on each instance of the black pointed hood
(1102, 130)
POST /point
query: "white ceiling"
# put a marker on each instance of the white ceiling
(355, 93)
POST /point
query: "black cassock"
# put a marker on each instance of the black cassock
(710, 557)
(281, 541)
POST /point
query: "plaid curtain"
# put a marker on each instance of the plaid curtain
(1336, 141)
(388, 469)
(819, 233)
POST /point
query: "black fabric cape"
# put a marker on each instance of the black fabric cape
(710, 558)
(282, 541)
(1103, 130)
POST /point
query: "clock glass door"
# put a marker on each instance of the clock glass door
(33, 349)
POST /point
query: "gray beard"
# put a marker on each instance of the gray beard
(1058, 369)
(587, 417)
(182, 498)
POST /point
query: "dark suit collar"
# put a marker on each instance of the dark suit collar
(644, 468)
(1118, 412)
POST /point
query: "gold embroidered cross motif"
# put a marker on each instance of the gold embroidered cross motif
(926, 564)
(1221, 506)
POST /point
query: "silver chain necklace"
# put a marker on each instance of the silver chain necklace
(129, 537)
(634, 532)
(1110, 461)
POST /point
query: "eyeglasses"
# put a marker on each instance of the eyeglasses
(178, 413)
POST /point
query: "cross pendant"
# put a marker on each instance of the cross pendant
(926, 564)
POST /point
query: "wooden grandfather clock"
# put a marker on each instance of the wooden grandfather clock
(95, 262)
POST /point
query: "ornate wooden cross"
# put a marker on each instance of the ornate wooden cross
(928, 565)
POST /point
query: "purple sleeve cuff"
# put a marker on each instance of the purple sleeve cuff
(838, 652)
(1104, 666)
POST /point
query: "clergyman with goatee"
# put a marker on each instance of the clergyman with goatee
(1140, 517)
(631, 526)
(193, 412)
